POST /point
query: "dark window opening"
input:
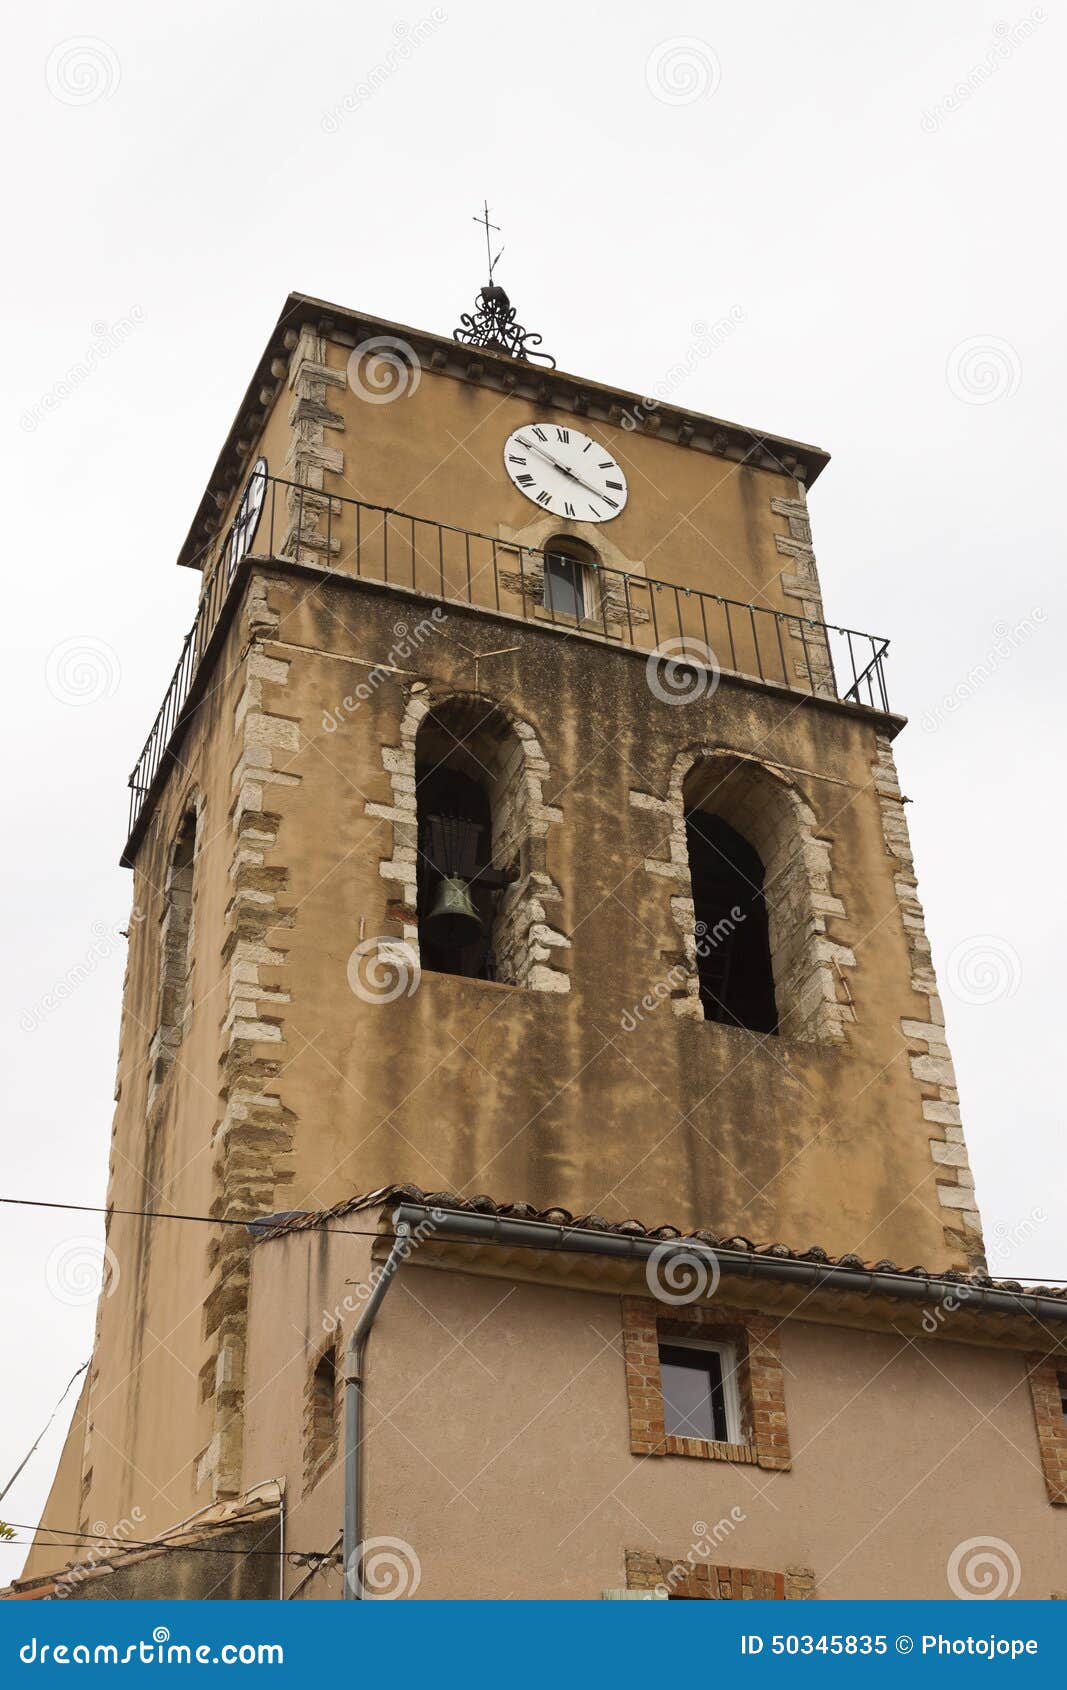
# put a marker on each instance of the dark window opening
(694, 1394)
(732, 940)
(564, 585)
(1061, 1380)
(323, 1403)
(454, 845)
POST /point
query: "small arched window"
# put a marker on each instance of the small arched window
(320, 1418)
(570, 577)
(732, 940)
(324, 1400)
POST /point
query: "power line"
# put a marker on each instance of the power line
(255, 1223)
(68, 1537)
(267, 1223)
(77, 1372)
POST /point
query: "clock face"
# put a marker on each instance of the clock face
(565, 472)
(247, 520)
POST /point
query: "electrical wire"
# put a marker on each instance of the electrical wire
(75, 1375)
(68, 1537)
(260, 1224)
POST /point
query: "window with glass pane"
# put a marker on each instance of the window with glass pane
(564, 589)
(695, 1398)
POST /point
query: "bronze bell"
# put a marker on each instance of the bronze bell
(453, 923)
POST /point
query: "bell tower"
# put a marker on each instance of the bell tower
(516, 824)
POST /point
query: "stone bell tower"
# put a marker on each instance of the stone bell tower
(515, 823)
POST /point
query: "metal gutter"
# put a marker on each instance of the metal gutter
(587, 1241)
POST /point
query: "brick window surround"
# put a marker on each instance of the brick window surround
(761, 1383)
(1048, 1374)
(707, 1583)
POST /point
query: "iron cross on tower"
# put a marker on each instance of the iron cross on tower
(484, 218)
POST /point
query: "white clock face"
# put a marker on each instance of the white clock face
(565, 472)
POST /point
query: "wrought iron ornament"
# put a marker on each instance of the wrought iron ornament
(492, 324)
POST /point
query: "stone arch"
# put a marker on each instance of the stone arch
(511, 753)
(763, 804)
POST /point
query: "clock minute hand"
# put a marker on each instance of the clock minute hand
(550, 459)
(564, 470)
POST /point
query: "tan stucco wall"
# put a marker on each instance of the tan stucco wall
(437, 452)
(784, 1139)
(497, 1442)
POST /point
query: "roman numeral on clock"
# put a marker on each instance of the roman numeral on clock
(568, 508)
(525, 480)
(540, 433)
(544, 498)
(564, 435)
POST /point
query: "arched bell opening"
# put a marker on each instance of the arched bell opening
(732, 939)
(469, 805)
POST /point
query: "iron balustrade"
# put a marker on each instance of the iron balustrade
(434, 560)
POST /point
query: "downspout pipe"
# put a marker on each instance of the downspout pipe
(352, 1588)
(543, 1235)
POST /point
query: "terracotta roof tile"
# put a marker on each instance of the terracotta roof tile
(316, 1219)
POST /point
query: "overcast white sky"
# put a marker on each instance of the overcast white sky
(884, 214)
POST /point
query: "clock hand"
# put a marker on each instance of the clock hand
(550, 459)
(564, 470)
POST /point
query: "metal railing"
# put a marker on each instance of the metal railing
(680, 625)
